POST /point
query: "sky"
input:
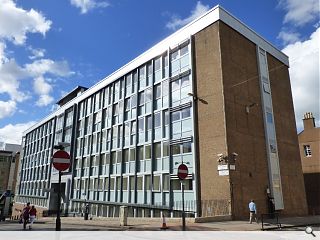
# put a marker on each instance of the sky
(47, 48)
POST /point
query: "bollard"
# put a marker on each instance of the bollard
(123, 216)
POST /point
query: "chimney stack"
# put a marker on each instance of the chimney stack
(308, 121)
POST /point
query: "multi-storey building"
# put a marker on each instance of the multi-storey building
(211, 91)
(9, 161)
(309, 143)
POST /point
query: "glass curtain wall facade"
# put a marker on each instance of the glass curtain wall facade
(36, 165)
(133, 134)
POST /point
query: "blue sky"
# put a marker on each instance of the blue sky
(49, 47)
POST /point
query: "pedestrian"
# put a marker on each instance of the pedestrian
(253, 211)
(25, 214)
(33, 214)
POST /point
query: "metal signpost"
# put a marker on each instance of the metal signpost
(182, 174)
(61, 162)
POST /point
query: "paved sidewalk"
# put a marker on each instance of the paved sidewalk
(154, 224)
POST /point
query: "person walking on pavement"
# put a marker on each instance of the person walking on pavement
(33, 214)
(25, 215)
(253, 211)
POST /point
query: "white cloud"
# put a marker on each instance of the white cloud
(288, 37)
(36, 53)
(304, 74)
(87, 5)
(43, 89)
(177, 22)
(40, 86)
(43, 66)
(10, 74)
(300, 12)
(7, 108)
(44, 100)
(13, 133)
(3, 57)
(16, 22)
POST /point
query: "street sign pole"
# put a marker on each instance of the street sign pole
(182, 174)
(183, 213)
(58, 220)
(61, 162)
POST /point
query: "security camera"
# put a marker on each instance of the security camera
(235, 154)
(220, 157)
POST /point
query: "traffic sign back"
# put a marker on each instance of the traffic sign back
(61, 160)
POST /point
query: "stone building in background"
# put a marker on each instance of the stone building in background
(9, 162)
(309, 143)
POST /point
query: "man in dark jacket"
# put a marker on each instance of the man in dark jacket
(25, 215)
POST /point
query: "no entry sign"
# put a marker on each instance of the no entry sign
(61, 160)
(182, 171)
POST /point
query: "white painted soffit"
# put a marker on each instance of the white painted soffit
(208, 18)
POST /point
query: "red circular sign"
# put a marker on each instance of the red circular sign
(61, 160)
(182, 171)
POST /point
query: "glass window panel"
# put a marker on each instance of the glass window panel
(112, 184)
(149, 67)
(133, 127)
(157, 64)
(140, 125)
(141, 98)
(148, 122)
(165, 149)
(127, 104)
(174, 55)
(133, 101)
(131, 179)
(148, 95)
(186, 147)
(184, 62)
(132, 154)
(157, 150)
(165, 88)
(142, 72)
(157, 91)
(139, 183)
(185, 81)
(125, 183)
(127, 129)
(157, 120)
(113, 157)
(184, 50)
(148, 152)
(140, 153)
(175, 67)
(126, 155)
(175, 85)
(186, 125)
(147, 182)
(156, 183)
(166, 179)
(185, 113)
(175, 149)
(175, 116)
